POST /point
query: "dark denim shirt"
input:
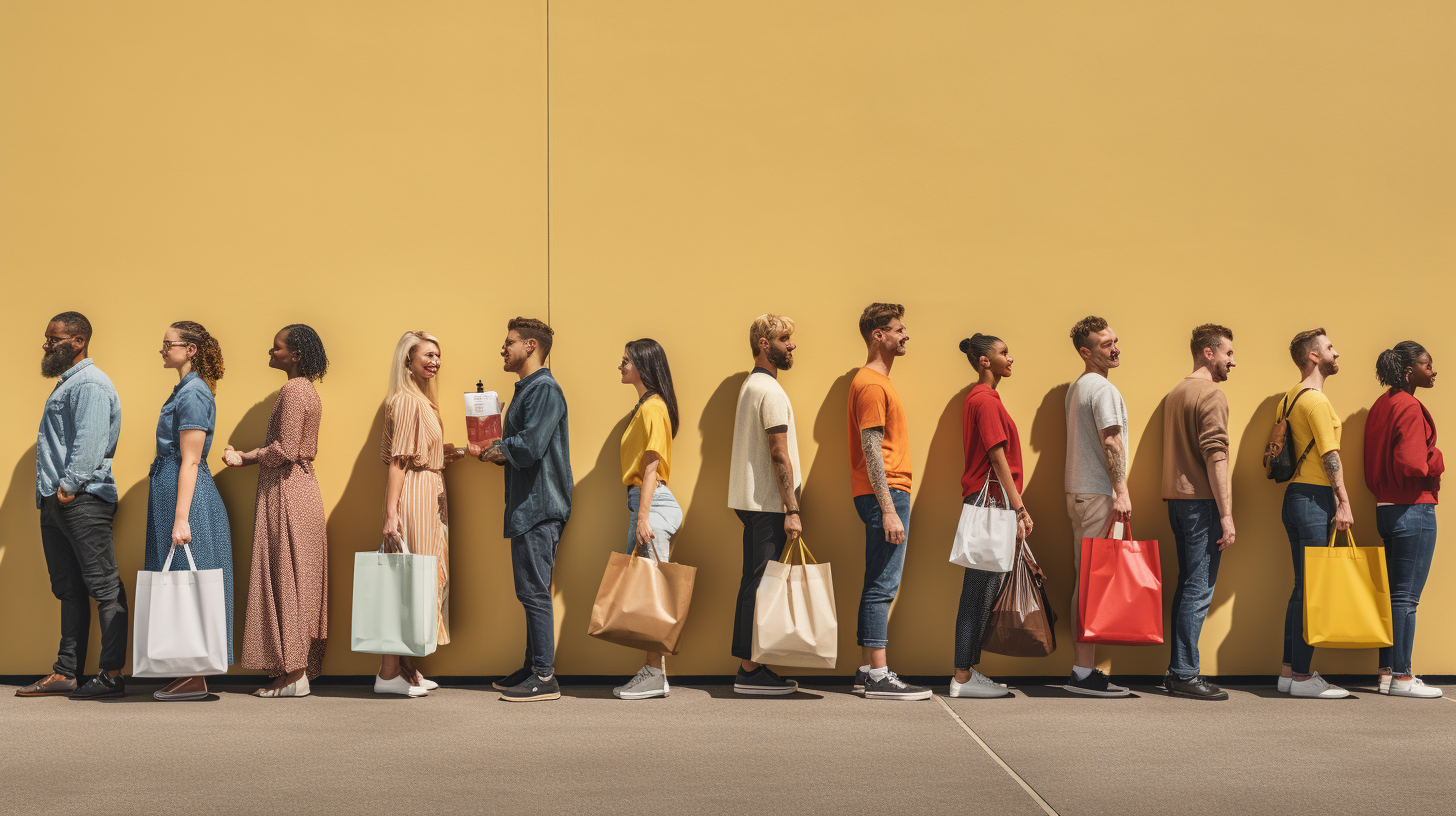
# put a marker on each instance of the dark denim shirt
(79, 429)
(534, 440)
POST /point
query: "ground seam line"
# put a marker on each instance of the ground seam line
(1030, 791)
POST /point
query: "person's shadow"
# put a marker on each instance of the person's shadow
(1050, 541)
(832, 529)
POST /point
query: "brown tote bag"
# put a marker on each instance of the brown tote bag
(642, 602)
(1022, 623)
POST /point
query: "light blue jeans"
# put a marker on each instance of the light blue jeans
(664, 515)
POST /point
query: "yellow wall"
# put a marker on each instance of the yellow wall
(371, 168)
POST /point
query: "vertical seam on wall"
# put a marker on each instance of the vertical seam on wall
(548, 162)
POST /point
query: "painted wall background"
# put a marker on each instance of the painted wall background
(672, 170)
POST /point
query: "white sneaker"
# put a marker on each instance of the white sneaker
(398, 685)
(1284, 683)
(1317, 687)
(426, 683)
(1412, 687)
(1385, 683)
(978, 686)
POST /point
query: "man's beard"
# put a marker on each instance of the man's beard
(55, 361)
(1329, 369)
(781, 359)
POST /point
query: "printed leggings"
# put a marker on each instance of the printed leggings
(978, 595)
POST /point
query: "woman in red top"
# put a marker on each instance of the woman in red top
(990, 442)
(1403, 469)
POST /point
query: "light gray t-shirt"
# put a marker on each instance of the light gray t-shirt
(1093, 403)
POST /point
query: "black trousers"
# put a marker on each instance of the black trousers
(763, 541)
(978, 595)
(81, 560)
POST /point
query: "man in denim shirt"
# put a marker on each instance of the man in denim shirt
(537, 458)
(77, 498)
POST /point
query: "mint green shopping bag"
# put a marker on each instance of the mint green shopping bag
(395, 607)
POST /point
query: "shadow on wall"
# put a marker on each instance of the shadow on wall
(23, 574)
(239, 490)
(1045, 498)
(832, 529)
(582, 558)
(710, 529)
(352, 527)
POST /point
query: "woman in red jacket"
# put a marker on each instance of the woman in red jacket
(1403, 469)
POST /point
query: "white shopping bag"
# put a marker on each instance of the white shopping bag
(396, 610)
(794, 621)
(985, 538)
(180, 622)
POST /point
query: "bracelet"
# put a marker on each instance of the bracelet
(1022, 511)
(791, 512)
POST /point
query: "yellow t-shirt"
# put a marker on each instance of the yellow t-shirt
(649, 430)
(1312, 418)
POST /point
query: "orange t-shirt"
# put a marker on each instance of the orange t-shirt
(874, 403)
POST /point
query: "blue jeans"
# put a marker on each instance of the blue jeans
(665, 516)
(1196, 529)
(1309, 516)
(883, 564)
(533, 555)
(1409, 532)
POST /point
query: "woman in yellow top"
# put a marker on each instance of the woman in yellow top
(646, 466)
(414, 448)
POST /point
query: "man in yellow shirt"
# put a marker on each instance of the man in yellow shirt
(1315, 500)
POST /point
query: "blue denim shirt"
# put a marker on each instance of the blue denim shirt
(534, 440)
(78, 433)
(189, 408)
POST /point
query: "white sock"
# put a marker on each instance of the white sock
(1081, 673)
(544, 677)
(865, 668)
(879, 674)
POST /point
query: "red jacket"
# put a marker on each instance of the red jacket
(1402, 463)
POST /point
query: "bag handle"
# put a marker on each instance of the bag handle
(187, 551)
(403, 544)
(1289, 409)
(1116, 531)
(1349, 537)
(986, 488)
(797, 545)
(1025, 551)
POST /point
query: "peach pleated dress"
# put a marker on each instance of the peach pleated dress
(287, 622)
(412, 432)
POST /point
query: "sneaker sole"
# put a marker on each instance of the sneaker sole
(180, 698)
(45, 693)
(890, 695)
(1222, 695)
(641, 695)
(764, 691)
(1091, 693)
(858, 689)
(965, 696)
(1319, 697)
(554, 695)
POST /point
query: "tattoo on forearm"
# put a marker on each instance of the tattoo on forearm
(1116, 461)
(871, 441)
(785, 473)
(1332, 464)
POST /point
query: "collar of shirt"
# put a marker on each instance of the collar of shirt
(534, 375)
(191, 375)
(76, 369)
(762, 370)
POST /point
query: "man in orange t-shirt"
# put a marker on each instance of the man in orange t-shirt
(879, 475)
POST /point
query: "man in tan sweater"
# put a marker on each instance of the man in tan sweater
(1200, 501)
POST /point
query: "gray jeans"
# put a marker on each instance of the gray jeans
(81, 560)
(664, 515)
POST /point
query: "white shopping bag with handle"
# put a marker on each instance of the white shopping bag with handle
(180, 621)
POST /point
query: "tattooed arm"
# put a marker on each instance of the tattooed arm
(1115, 456)
(783, 466)
(871, 441)
(1344, 518)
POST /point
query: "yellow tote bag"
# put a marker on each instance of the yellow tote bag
(1346, 596)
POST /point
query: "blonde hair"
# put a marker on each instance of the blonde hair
(770, 326)
(400, 379)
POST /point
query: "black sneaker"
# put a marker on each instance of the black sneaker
(100, 687)
(1095, 684)
(511, 680)
(891, 687)
(860, 678)
(531, 689)
(1198, 688)
(763, 682)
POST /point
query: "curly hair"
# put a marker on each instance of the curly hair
(208, 361)
(1390, 366)
(1085, 328)
(302, 340)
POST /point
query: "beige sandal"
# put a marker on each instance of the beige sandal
(298, 688)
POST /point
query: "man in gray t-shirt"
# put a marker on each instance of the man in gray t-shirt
(1096, 475)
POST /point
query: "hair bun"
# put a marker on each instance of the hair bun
(966, 345)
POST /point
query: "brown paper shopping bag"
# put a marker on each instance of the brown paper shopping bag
(642, 603)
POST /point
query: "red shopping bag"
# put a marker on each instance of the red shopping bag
(1120, 591)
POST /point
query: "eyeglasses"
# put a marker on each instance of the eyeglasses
(168, 344)
(52, 342)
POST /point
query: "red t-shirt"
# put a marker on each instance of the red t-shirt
(985, 424)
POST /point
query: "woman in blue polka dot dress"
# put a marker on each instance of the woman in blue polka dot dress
(180, 477)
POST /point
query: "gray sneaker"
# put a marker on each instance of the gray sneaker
(645, 684)
(860, 678)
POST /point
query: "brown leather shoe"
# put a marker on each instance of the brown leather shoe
(48, 686)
